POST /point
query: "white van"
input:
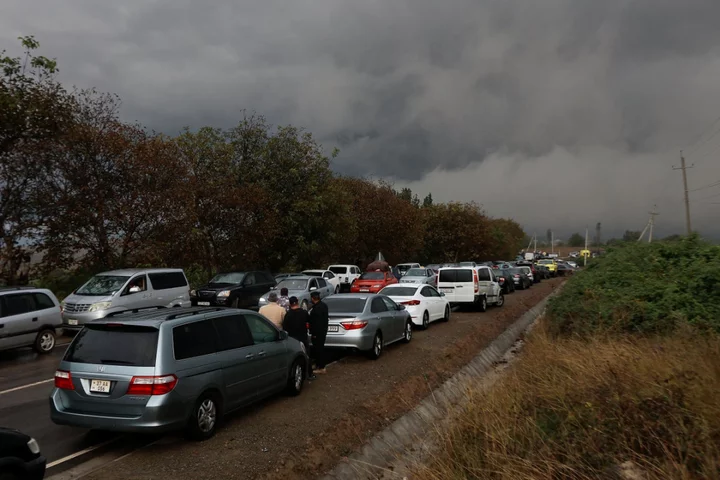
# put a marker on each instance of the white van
(470, 285)
(121, 290)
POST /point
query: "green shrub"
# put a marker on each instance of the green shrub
(641, 287)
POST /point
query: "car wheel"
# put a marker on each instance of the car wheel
(426, 320)
(446, 318)
(377, 348)
(500, 300)
(407, 336)
(483, 304)
(204, 418)
(296, 378)
(304, 305)
(45, 341)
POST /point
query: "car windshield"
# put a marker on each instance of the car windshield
(416, 272)
(313, 273)
(352, 305)
(515, 271)
(103, 285)
(292, 284)
(231, 278)
(338, 270)
(399, 291)
(107, 344)
(404, 268)
(372, 276)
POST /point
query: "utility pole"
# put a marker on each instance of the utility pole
(687, 197)
(598, 228)
(650, 225)
(552, 241)
(586, 247)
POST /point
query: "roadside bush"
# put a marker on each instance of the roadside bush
(644, 288)
(573, 409)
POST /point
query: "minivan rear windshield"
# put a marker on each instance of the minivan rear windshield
(459, 275)
(338, 270)
(102, 285)
(108, 344)
(345, 305)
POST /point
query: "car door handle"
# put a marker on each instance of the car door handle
(261, 354)
(249, 356)
(35, 319)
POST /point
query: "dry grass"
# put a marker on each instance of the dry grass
(579, 409)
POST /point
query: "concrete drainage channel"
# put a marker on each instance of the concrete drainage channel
(386, 448)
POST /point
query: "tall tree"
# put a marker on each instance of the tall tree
(428, 200)
(576, 240)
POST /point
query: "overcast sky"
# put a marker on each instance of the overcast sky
(558, 113)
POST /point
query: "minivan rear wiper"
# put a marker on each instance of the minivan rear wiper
(106, 361)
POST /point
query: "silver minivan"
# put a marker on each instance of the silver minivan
(176, 369)
(28, 317)
(121, 290)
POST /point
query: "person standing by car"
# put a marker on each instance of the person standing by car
(284, 301)
(272, 311)
(318, 329)
(296, 324)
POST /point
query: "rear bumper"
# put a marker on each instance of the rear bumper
(355, 339)
(157, 418)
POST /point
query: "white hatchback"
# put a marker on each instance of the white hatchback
(424, 303)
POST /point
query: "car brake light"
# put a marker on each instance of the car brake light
(476, 281)
(63, 380)
(411, 302)
(354, 325)
(517, 276)
(158, 385)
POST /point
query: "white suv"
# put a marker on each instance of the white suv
(470, 285)
(346, 273)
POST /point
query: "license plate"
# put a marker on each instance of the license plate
(204, 304)
(100, 386)
(447, 290)
(333, 328)
(72, 322)
(364, 289)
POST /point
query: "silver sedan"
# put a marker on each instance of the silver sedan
(301, 287)
(420, 275)
(366, 322)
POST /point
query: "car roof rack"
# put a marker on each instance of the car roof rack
(132, 310)
(194, 312)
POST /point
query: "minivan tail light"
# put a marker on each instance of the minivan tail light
(411, 302)
(354, 325)
(158, 385)
(63, 380)
(476, 281)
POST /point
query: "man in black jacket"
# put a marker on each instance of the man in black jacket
(296, 324)
(318, 329)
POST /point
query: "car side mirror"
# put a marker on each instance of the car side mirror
(283, 335)
(401, 307)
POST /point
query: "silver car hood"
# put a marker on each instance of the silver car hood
(291, 293)
(83, 299)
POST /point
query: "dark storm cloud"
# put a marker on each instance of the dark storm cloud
(404, 87)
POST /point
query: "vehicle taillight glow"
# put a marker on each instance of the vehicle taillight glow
(517, 276)
(354, 325)
(411, 302)
(63, 380)
(158, 385)
(476, 281)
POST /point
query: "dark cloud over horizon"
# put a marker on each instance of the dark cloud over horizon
(409, 89)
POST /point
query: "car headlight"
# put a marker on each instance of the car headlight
(224, 293)
(96, 307)
(33, 446)
(262, 300)
(376, 286)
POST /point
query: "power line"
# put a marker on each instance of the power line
(698, 145)
(714, 184)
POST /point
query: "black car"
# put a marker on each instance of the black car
(20, 456)
(543, 271)
(520, 278)
(233, 289)
(505, 279)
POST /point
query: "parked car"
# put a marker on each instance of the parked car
(543, 271)
(121, 290)
(475, 286)
(467, 264)
(373, 282)
(329, 277)
(520, 278)
(367, 323)
(435, 267)
(550, 264)
(505, 279)
(572, 264)
(28, 317)
(302, 288)
(347, 274)
(233, 289)
(404, 267)
(20, 456)
(167, 370)
(420, 275)
(424, 303)
(574, 254)
(529, 269)
(564, 269)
